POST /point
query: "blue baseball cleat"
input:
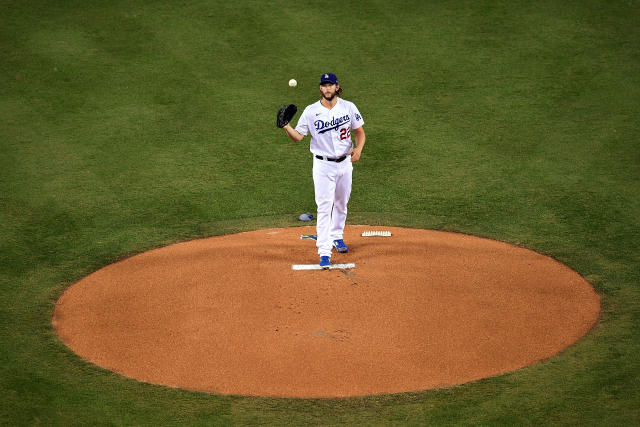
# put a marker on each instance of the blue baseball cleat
(325, 262)
(340, 246)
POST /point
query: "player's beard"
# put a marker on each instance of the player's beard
(329, 97)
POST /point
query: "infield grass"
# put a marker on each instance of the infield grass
(131, 125)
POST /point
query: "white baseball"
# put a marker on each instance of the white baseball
(293, 83)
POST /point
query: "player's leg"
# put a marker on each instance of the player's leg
(324, 182)
(341, 199)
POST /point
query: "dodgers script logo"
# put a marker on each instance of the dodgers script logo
(335, 123)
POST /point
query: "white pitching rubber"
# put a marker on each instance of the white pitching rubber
(376, 234)
(317, 267)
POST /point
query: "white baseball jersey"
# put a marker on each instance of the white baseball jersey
(330, 129)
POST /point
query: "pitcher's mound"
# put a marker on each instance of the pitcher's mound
(420, 309)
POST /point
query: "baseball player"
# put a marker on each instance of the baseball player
(333, 123)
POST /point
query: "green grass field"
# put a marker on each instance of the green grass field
(130, 125)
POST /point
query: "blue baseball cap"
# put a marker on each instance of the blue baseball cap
(329, 78)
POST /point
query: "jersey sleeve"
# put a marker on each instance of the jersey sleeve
(303, 123)
(356, 118)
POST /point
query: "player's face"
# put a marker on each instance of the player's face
(328, 91)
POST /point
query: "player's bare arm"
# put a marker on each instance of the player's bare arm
(360, 137)
(292, 133)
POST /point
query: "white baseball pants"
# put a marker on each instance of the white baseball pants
(332, 184)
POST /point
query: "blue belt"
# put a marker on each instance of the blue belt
(329, 159)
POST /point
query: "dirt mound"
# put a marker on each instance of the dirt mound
(421, 309)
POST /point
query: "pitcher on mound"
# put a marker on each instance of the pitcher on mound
(331, 121)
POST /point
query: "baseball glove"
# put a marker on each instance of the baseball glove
(285, 114)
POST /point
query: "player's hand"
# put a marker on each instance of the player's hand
(355, 154)
(285, 114)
